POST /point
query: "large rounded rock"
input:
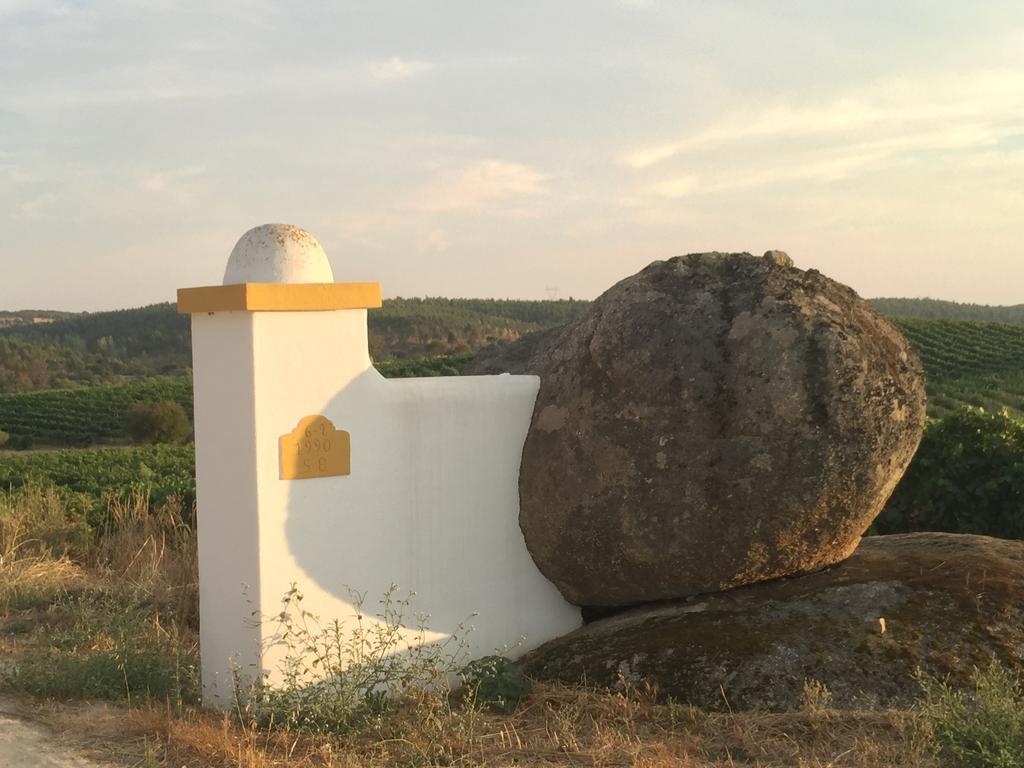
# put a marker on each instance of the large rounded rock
(949, 602)
(712, 421)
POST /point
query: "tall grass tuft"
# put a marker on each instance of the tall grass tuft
(982, 727)
(153, 550)
(120, 600)
(37, 537)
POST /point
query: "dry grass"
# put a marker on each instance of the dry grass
(152, 551)
(35, 536)
(107, 613)
(45, 551)
(556, 726)
(33, 523)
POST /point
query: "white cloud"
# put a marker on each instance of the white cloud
(438, 240)
(943, 112)
(14, 7)
(395, 69)
(17, 174)
(434, 241)
(317, 114)
(678, 187)
(642, 158)
(35, 209)
(487, 182)
(160, 181)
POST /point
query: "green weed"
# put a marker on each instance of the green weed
(336, 676)
(112, 647)
(979, 728)
(496, 682)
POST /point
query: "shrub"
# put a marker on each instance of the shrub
(967, 477)
(496, 682)
(979, 728)
(442, 365)
(20, 442)
(163, 422)
(4, 437)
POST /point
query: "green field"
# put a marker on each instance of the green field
(969, 363)
(966, 363)
(86, 415)
(91, 477)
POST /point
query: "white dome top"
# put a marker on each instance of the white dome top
(277, 253)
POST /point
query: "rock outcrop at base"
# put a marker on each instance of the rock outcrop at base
(949, 602)
(712, 421)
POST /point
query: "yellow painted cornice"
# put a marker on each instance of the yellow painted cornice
(279, 297)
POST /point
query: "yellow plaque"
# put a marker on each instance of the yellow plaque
(315, 449)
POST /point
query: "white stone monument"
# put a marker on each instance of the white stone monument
(312, 469)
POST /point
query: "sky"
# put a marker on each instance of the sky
(521, 149)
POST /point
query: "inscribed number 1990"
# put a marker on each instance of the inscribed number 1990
(315, 448)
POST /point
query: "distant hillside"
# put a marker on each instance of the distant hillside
(405, 328)
(90, 349)
(111, 347)
(30, 317)
(935, 309)
(84, 416)
(977, 362)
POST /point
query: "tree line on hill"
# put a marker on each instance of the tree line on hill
(936, 309)
(23, 317)
(110, 347)
(90, 349)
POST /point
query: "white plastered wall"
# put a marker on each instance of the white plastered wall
(227, 524)
(431, 504)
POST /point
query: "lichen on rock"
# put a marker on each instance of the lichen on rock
(950, 602)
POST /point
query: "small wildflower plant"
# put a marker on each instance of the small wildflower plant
(334, 676)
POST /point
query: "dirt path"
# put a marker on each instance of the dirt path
(27, 745)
